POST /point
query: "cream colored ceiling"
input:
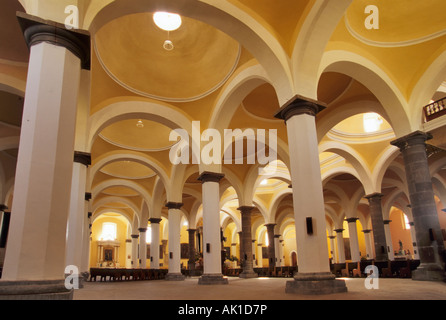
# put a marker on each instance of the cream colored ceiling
(136, 59)
(127, 134)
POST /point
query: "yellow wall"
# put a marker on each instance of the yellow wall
(95, 236)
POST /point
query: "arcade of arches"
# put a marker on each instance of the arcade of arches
(360, 166)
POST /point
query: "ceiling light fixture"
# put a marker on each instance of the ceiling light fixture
(139, 124)
(167, 22)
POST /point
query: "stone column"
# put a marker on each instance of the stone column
(368, 244)
(240, 247)
(155, 243)
(45, 161)
(340, 245)
(85, 261)
(212, 269)
(416, 255)
(248, 270)
(135, 250)
(254, 262)
(354, 243)
(191, 262)
(379, 234)
(271, 246)
(333, 248)
(424, 210)
(389, 243)
(174, 245)
(277, 249)
(314, 274)
(76, 219)
(142, 248)
(234, 253)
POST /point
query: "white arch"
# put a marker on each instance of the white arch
(224, 16)
(311, 42)
(232, 95)
(127, 155)
(354, 159)
(376, 80)
(426, 87)
(124, 108)
(123, 183)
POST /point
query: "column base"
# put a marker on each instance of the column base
(35, 290)
(174, 277)
(248, 275)
(315, 284)
(429, 272)
(211, 279)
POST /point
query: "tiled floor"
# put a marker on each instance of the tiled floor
(255, 290)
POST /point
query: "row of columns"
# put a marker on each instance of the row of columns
(339, 255)
(39, 221)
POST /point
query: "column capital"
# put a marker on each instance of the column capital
(191, 230)
(387, 221)
(417, 137)
(245, 209)
(135, 236)
(155, 220)
(174, 205)
(142, 229)
(3, 207)
(87, 196)
(37, 30)
(374, 196)
(207, 176)
(299, 105)
(338, 230)
(350, 220)
(82, 158)
(332, 237)
(270, 225)
(367, 231)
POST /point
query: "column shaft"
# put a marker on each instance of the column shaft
(313, 274)
(174, 241)
(354, 243)
(142, 248)
(44, 167)
(212, 258)
(155, 243)
(379, 234)
(428, 231)
(135, 251)
(271, 246)
(191, 262)
(341, 247)
(248, 269)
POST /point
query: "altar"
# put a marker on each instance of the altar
(108, 254)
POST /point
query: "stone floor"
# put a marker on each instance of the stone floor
(259, 289)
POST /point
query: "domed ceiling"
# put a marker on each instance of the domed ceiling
(401, 22)
(140, 135)
(131, 51)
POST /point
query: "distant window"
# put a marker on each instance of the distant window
(406, 223)
(108, 231)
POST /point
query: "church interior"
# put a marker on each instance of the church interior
(325, 124)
